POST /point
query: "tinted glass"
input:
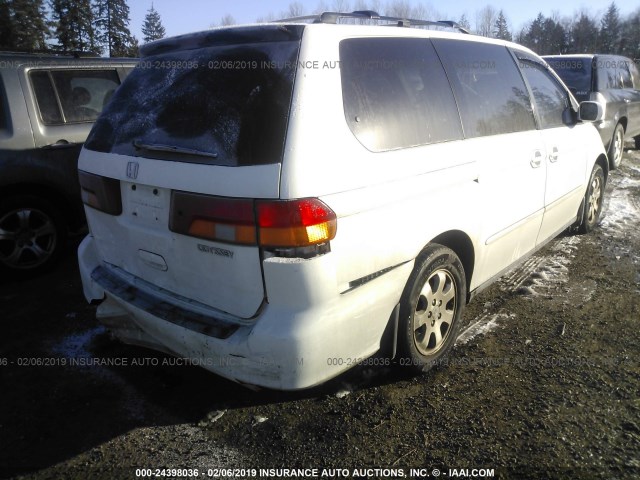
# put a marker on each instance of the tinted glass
(575, 72)
(84, 93)
(625, 74)
(226, 105)
(396, 94)
(609, 77)
(550, 99)
(4, 110)
(46, 98)
(635, 75)
(490, 91)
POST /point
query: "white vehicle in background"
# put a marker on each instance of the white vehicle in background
(278, 202)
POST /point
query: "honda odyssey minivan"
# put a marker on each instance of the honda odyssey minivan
(279, 202)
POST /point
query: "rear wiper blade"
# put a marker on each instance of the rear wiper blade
(158, 147)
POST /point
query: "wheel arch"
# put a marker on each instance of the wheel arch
(461, 244)
(604, 163)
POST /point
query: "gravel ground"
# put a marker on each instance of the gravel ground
(543, 383)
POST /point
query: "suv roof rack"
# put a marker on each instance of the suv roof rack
(333, 17)
(52, 53)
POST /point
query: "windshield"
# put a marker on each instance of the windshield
(221, 105)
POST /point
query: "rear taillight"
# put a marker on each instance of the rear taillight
(267, 223)
(223, 219)
(295, 223)
(101, 193)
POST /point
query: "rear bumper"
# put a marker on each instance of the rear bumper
(306, 333)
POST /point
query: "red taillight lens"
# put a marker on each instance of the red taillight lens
(268, 223)
(223, 219)
(295, 223)
(101, 193)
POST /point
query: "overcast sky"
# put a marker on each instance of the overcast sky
(184, 16)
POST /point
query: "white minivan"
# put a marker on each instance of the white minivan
(279, 202)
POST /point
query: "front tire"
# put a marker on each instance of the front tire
(616, 148)
(637, 141)
(32, 234)
(431, 308)
(593, 200)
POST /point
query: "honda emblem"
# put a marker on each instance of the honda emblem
(132, 170)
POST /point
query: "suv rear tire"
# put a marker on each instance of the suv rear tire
(637, 140)
(616, 148)
(32, 234)
(431, 308)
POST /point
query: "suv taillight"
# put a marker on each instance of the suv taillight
(101, 193)
(267, 223)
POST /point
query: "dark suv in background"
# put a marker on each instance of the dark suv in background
(47, 106)
(614, 82)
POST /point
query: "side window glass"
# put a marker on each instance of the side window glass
(4, 108)
(610, 79)
(396, 94)
(625, 74)
(46, 98)
(491, 93)
(84, 93)
(635, 75)
(550, 99)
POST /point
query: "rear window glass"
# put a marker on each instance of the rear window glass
(491, 93)
(221, 105)
(575, 73)
(396, 93)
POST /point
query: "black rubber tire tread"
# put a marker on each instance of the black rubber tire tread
(55, 216)
(431, 259)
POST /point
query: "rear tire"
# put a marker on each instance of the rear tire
(431, 308)
(637, 141)
(593, 200)
(616, 148)
(32, 234)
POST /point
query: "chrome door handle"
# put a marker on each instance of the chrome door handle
(553, 156)
(537, 159)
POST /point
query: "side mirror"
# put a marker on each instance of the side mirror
(590, 112)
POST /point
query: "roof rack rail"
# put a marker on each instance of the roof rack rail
(52, 53)
(333, 17)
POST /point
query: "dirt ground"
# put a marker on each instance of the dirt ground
(543, 383)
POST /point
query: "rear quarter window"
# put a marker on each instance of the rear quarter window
(396, 94)
(72, 96)
(491, 93)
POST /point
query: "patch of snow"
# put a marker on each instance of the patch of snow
(481, 326)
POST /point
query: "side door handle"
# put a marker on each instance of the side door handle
(537, 159)
(553, 156)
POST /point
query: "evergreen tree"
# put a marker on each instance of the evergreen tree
(555, 38)
(534, 38)
(584, 35)
(29, 25)
(610, 30)
(464, 22)
(73, 20)
(501, 29)
(112, 21)
(630, 46)
(152, 28)
(6, 26)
